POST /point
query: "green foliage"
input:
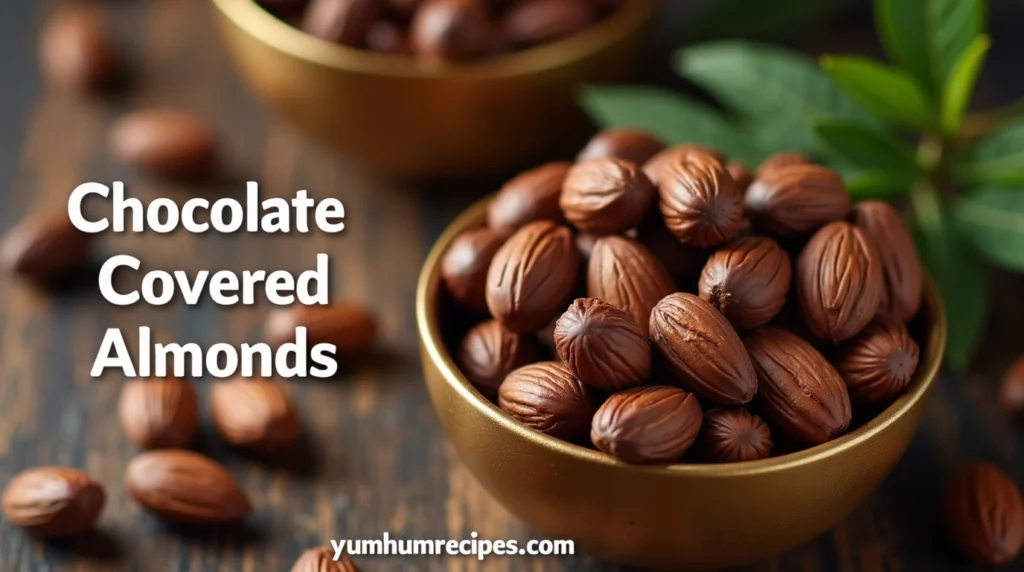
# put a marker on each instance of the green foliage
(866, 148)
(993, 219)
(889, 92)
(997, 159)
(957, 92)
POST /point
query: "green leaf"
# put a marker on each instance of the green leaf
(866, 148)
(959, 276)
(996, 159)
(889, 92)
(670, 116)
(928, 36)
(770, 86)
(876, 185)
(957, 91)
(994, 221)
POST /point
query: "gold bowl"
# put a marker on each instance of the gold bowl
(672, 516)
(394, 115)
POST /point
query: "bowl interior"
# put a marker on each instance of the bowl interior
(929, 328)
(267, 28)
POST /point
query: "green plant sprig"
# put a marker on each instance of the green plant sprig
(896, 130)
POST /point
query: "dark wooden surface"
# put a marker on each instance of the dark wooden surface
(375, 458)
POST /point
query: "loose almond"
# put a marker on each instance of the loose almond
(159, 413)
(53, 501)
(185, 487)
(254, 414)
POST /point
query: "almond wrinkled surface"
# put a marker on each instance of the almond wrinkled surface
(545, 396)
(528, 197)
(747, 280)
(185, 487)
(734, 435)
(602, 345)
(650, 424)
(796, 200)
(489, 352)
(699, 200)
(159, 412)
(901, 268)
(879, 363)
(53, 501)
(625, 274)
(606, 195)
(984, 514)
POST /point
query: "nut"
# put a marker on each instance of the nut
(984, 514)
(451, 29)
(53, 502)
(839, 281)
(704, 351)
(1011, 390)
(682, 262)
(529, 197)
(165, 142)
(76, 52)
(489, 353)
(45, 249)
(651, 424)
(533, 22)
(879, 363)
(796, 200)
(699, 200)
(464, 266)
(351, 328)
(734, 435)
(747, 280)
(159, 413)
(782, 160)
(185, 487)
(387, 38)
(344, 22)
(655, 166)
(546, 397)
(605, 196)
(602, 345)
(799, 392)
(631, 145)
(901, 268)
(322, 560)
(254, 414)
(740, 174)
(626, 275)
(532, 276)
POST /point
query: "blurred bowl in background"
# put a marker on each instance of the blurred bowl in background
(395, 115)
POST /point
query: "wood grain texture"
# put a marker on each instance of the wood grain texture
(374, 457)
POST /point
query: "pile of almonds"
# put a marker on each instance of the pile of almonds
(442, 30)
(666, 303)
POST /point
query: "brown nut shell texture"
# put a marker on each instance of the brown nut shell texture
(602, 345)
(650, 424)
(350, 327)
(734, 435)
(531, 196)
(796, 200)
(625, 274)
(632, 145)
(699, 200)
(464, 266)
(450, 29)
(322, 560)
(656, 166)
(839, 282)
(747, 280)
(1011, 389)
(159, 413)
(879, 363)
(45, 248)
(984, 514)
(53, 502)
(254, 414)
(606, 195)
(901, 268)
(489, 352)
(704, 351)
(533, 276)
(799, 392)
(781, 160)
(546, 397)
(185, 487)
(341, 21)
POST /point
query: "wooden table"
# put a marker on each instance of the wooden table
(375, 458)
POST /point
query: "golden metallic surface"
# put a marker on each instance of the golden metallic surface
(668, 517)
(395, 115)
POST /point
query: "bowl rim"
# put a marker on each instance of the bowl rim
(269, 30)
(429, 286)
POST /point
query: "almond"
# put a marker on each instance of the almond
(343, 22)
(53, 501)
(350, 327)
(464, 266)
(322, 560)
(185, 487)
(606, 195)
(747, 280)
(254, 414)
(654, 168)
(632, 145)
(165, 142)
(799, 392)
(534, 22)
(699, 200)
(451, 30)
(984, 514)
(602, 345)
(159, 413)
(626, 275)
(781, 160)
(547, 397)
(733, 436)
(532, 276)
(529, 197)
(839, 282)
(489, 352)
(704, 351)
(76, 51)
(45, 249)
(879, 363)
(796, 200)
(901, 268)
(651, 424)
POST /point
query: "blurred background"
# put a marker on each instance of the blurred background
(374, 457)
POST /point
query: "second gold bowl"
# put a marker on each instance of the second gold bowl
(666, 517)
